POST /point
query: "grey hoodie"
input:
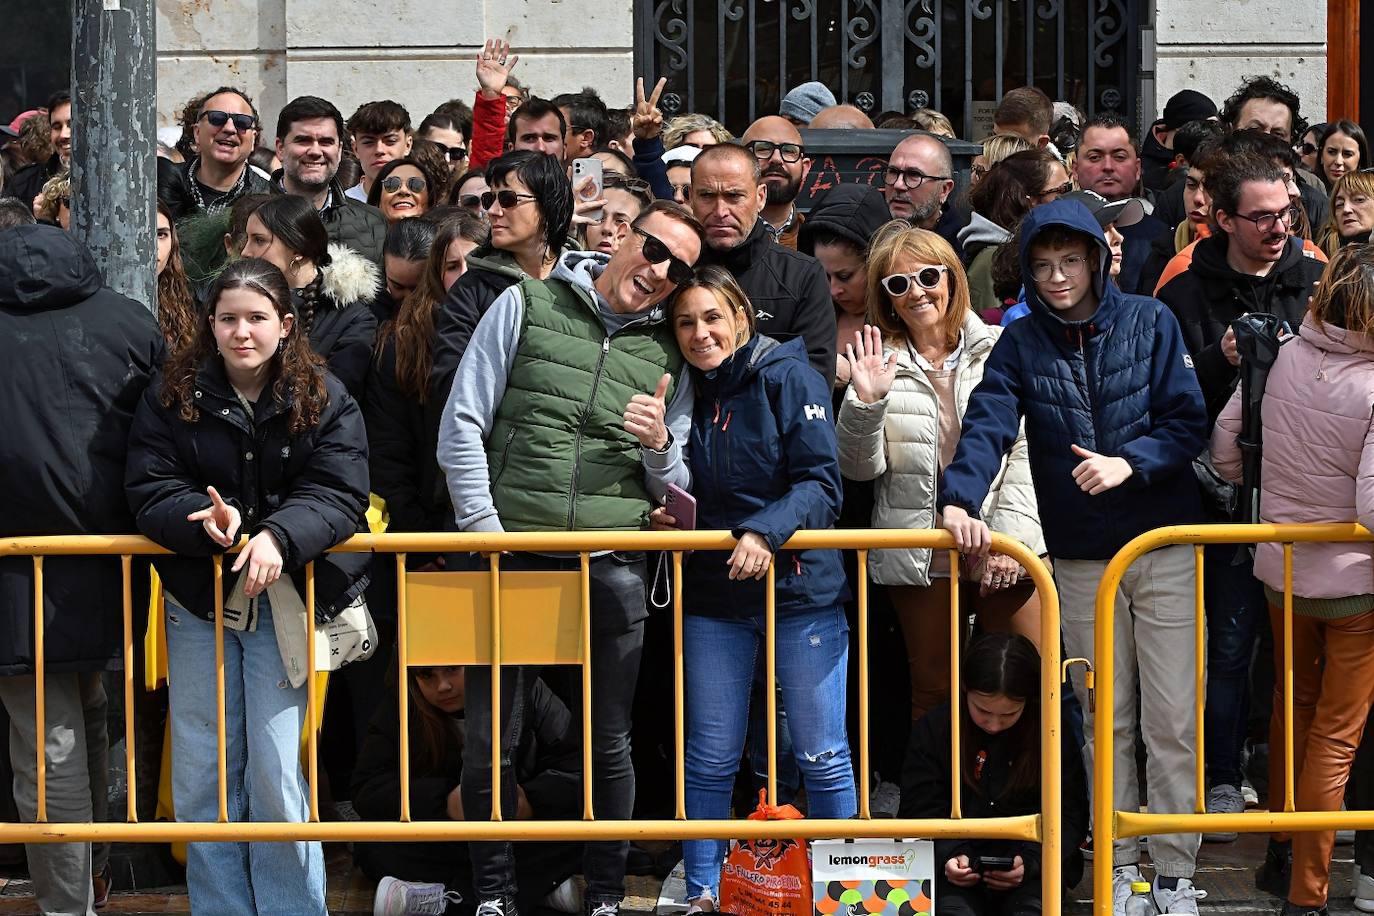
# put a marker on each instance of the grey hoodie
(480, 384)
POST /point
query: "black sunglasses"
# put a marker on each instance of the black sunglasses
(392, 183)
(242, 122)
(471, 201)
(505, 197)
(656, 252)
(1307, 149)
(764, 149)
(453, 153)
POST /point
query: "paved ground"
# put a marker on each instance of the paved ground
(1225, 872)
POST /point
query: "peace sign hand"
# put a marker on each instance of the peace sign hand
(494, 65)
(870, 372)
(647, 121)
(220, 520)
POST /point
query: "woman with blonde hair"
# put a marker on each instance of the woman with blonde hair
(912, 370)
(694, 129)
(1352, 212)
(1318, 448)
(995, 149)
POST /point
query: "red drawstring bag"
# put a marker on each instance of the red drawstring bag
(767, 877)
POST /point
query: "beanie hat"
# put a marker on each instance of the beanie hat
(806, 101)
(1185, 106)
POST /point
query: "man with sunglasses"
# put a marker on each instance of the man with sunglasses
(309, 145)
(534, 438)
(783, 162)
(225, 133)
(789, 291)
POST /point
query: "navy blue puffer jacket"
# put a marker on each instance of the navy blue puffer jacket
(1120, 383)
(764, 459)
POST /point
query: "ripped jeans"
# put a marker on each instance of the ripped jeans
(720, 654)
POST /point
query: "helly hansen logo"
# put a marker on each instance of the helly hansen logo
(814, 412)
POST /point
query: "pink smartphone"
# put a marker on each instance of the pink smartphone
(682, 506)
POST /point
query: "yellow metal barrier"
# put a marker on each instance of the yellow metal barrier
(440, 622)
(1109, 823)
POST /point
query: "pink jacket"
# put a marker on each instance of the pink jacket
(1318, 463)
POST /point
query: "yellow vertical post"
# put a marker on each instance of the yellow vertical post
(1199, 681)
(1104, 769)
(222, 767)
(126, 572)
(40, 700)
(955, 627)
(1288, 794)
(770, 685)
(1052, 764)
(679, 696)
(312, 751)
(402, 685)
(586, 604)
(864, 767)
(496, 687)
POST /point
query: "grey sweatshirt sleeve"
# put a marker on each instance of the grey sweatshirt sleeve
(478, 387)
(670, 466)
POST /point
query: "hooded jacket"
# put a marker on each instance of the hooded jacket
(491, 271)
(895, 440)
(789, 291)
(849, 210)
(1209, 295)
(343, 327)
(763, 459)
(351, 223)
(26, 183)
(81, 356)
(980, 239)
(309, 489)
(1119, 383)
(1156, 161)
(1318, 459)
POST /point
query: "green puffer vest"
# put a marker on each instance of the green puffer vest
(558, 454)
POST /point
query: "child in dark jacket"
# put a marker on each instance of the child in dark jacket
(548, 767)
(999, 761)
(1113, 417)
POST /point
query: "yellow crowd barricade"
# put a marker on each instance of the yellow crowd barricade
(474, 618)
(1109, 823)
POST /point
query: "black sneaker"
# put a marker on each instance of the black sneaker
(1292, 909)
(1274, 873)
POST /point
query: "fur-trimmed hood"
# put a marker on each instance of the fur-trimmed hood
(349, 277)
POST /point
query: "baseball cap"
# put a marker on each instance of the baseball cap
(1187, 105)
(1125, 212)
(12, 129)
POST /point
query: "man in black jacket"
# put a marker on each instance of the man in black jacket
(26, 183)
(67, 394)
(309, 132)
(227, 129)
(789, 291)
(1249, 264)
(1157, 154)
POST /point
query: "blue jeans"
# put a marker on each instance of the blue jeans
(720, 655)
(262, 768)
(1236, 608)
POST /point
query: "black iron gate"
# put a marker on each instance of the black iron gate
(735, 59)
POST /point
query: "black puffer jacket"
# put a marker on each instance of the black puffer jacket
(789, 291)
(310, 490)
(1209, 295)
(28, 181)
(926, 782)
(402, 438)
(355, 224)
(490, 272)
(174, 187)
(338, 309)
(548, 763)
(80, 357)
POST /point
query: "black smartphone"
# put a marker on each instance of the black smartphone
(994, 863)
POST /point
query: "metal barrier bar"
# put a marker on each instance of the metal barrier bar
(40, 699)
(770, 682)
(955, 720)
(1043, 828)
(495, 687)
(679, 692)
(587, 813)
(864, 768)
(126, 580)
(1110, 823)
(1199, 679)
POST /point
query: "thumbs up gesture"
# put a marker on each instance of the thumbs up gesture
(644, 416)
(220, 520)
(1099, 473)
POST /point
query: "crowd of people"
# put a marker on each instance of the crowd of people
(363, 323)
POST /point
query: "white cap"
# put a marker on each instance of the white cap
(681, 155)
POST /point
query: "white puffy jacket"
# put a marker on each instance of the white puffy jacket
(893, 441)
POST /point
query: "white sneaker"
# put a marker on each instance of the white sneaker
(1182, 899)
(565, 898)
(1123, 876)
(1223, 799)
(1364, 891)
(1248, 793)
(411, 898)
